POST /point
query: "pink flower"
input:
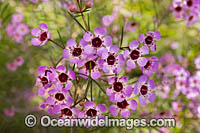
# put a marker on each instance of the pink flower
(19, 61)
(150, 39)
(75, 52)
(91, 110)
(22, 29)
(135, 55)
(110, 61)
(9, 112)
(145, 88)
(17, 18)
(178, 9)
(119, 89)
(107, 20)
(11, 67)
(10, 29)
(89, 3)
(123, 107)
(131, 26)
(42, 36)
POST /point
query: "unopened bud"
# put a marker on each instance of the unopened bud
(81, 103)
(88, 3)
(72, 7)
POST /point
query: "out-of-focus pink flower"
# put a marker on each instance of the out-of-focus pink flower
(89, 3)
(22, 29)
(10, 29)
(174, 45)
(131, 26)
(11, 67)
(17, 37)
(72, 7)
(107, 20)
(19, 61)
(9, 112)
(17, 18)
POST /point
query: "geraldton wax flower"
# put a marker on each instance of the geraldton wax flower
(42, 36)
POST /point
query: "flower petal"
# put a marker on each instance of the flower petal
(35, 42)
(142, 79)
(107, 40)
(113, 110)
(89, 104)
(142, 61)
(88, 36)
(35, 32)
(157, 35)
(131, 64)
(141, 38)
(66, 53)
(99, 31)
(44, 27)
(152, 97)
(72, 75)
(144, 50)
(61, 68)
(142, 100)
(151, 84)
(114, 49)
(128, 90)
(101, 108)
(125, 113)
(71, 43)
(134, 44)
(136, 90)
(133, 105)
(96, 74)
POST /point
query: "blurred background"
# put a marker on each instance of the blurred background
(180, 44)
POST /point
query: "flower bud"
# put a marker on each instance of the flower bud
(81, 103)
(88, 3)
(72, 7)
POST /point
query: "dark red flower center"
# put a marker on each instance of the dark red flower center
(143, 89)
(44, 80)
(122, 104)
(43, 36)
(77, 52)
(135, 54)
(59, 96)
(162, 113)
(133, 24)
(90, 65)
(66, 111)
(148, 40)
(190, 18)
(189, 3)
(149, 63)
(111, 60)
(178, 8)
(91, 112)
(118, 86)
(63, 77)
(96, 42)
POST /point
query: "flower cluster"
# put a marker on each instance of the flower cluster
(182, 80)
(16, 63)
(17, 30)
(188, 10)
(93, 56)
